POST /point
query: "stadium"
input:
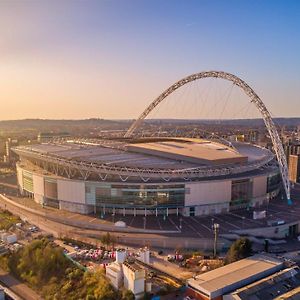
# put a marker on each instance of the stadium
(155, 175)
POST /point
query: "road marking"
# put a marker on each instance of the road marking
(189, 225)
(132, 219)
(198, 222)
(72, 216)
(174, 224)
(159, 223)
(92, 220)
(218, 218)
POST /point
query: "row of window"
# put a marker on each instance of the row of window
(147, 195)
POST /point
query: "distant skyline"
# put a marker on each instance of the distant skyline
(110, 59)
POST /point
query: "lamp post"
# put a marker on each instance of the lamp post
(180, 223)
(216, 227)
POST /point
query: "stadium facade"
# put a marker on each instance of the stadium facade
(148, 175)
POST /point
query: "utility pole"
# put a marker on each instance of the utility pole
(216, 231)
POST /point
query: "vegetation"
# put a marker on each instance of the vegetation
(47, 270)
(240, 249)
(7, 220)
(80, 244)
(127, 295)
(108, 240)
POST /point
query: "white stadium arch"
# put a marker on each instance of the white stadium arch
(254, 99)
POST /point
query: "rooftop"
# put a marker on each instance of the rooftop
(279, 284)
(226, 279)
(190, 150)
(160, 154)
(133, 266)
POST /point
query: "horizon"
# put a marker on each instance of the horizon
(148, 119)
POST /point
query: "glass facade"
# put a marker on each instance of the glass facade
(241, 192)
(115, 195)
(273, 182)
(50, 188)
(51, 193)
(27, 181)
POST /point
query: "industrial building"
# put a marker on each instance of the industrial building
(281, 285)
(128, 273)
(143, 176)
(226, 280)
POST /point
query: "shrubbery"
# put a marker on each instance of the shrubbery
(240, 249)
(46, 269)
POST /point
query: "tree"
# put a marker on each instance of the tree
(240, 249)
(108, 239)
(127, 295)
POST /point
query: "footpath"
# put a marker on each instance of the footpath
(20, 289)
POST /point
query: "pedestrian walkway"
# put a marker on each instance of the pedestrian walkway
(19, 288)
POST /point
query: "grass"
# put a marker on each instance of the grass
(7, 220)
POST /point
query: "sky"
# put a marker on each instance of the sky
(110, 59)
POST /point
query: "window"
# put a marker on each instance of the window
(241, 191)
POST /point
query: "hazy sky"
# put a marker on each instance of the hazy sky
(109, 59)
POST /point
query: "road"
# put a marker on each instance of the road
(20, 289)
(61, 229)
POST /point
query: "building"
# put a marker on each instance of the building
(127, 273)
(157, 176)
(291, 149)
(294, 168)
(225, 280)
(281, 285)
(145, 255)
(114, 271)
(48, 136)
(134, 278)
(9, 156)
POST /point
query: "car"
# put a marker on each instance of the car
(152, 274)
(34, 229)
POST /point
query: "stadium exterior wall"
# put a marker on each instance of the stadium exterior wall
(199, 197)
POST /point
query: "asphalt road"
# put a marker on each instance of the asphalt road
(20, 289)
(59, 229)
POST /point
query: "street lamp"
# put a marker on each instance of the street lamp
(243, 217)
(216, 227)
(180, 223)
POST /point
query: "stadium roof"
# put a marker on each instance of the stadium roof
(191, 150)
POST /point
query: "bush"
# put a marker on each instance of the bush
(46, 269)
(240, 249)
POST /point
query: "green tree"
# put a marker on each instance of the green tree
(107, 239)
(46, 269)
(127, 295)
(240, 249)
